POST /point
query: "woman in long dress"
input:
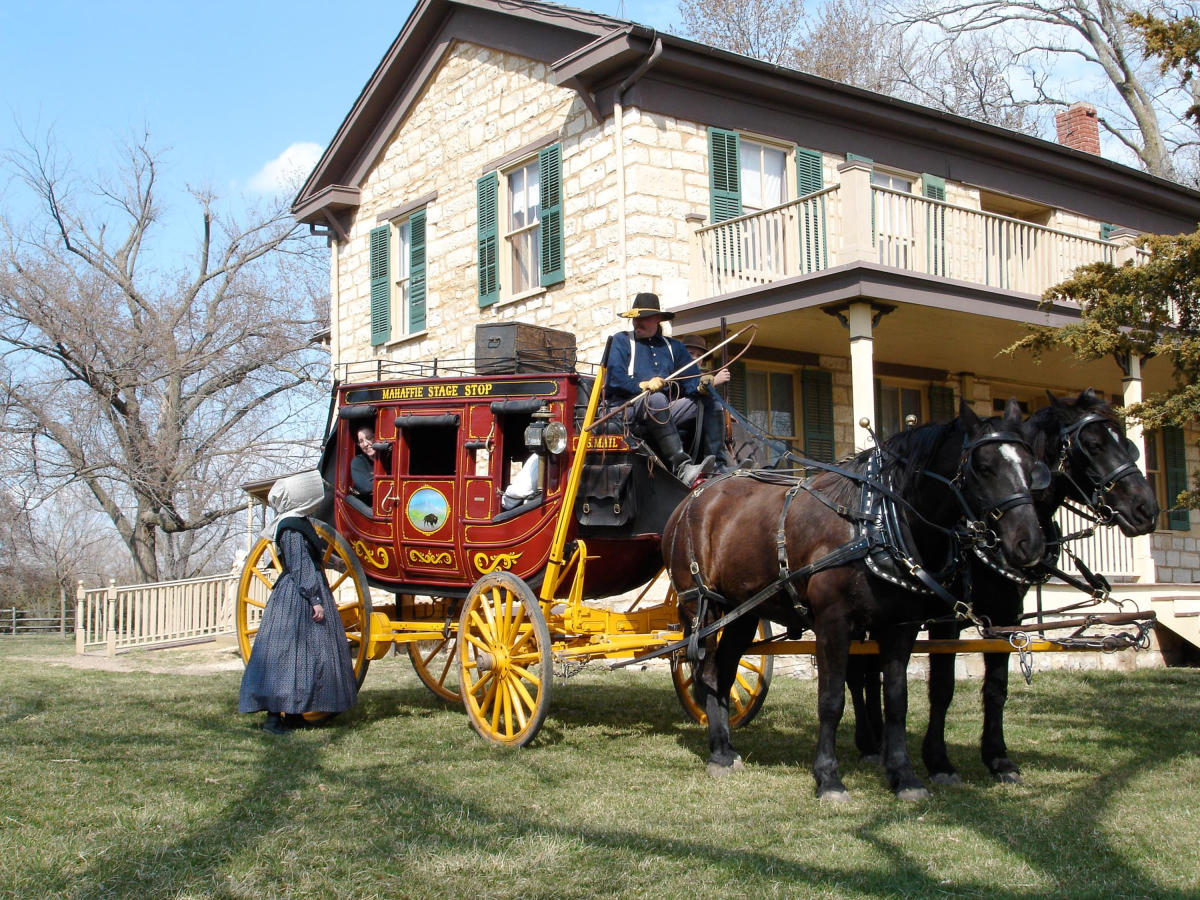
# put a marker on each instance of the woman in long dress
(300, 661)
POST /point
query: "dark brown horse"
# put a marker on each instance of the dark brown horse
(1092, 464)
(732, 537)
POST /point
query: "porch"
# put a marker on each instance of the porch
(856, 221)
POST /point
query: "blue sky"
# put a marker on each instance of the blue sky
(224, 88)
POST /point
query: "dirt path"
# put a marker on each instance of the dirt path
(194, 659)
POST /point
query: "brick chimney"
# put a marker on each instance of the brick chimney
(1078, 128)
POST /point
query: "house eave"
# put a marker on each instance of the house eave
(866, 282)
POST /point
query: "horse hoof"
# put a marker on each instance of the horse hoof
(716, 770)
(913, 794)
(834, 796)
(873, 759)
(946, 779)
(1013, 777)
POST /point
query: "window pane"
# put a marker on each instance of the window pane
(783, 419)
(910, 404)
(774, 165)
(757, 399)
(888, 412)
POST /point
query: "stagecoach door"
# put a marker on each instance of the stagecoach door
(428, 506)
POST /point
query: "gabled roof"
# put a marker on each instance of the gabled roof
(601, 56)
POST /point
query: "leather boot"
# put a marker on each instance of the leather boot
(666, 439)
(274, 724)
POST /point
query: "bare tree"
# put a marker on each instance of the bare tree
(770, 30)
(1072, 50)
(157, 386)
(852, 42)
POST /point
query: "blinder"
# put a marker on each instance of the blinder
(1039, 478)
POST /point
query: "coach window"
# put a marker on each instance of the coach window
(432, 449)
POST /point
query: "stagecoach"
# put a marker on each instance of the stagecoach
(492, 600)
(489, 602)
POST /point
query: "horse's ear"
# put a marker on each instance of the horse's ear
(1087, 397)
(966, 414)
(1054, 401)
(1012, 411)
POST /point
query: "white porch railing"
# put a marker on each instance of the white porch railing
(1107, 551)
(145, 615)
(907, 231)
(763, 247)
(937, 238)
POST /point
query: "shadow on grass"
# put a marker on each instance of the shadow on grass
(1119, 718)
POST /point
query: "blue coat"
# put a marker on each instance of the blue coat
(656, 355)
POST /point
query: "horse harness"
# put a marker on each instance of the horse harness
(881, 540)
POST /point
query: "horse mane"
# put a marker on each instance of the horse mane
(1047, 422)
(905, 456)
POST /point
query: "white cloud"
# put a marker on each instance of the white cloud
(287, 171)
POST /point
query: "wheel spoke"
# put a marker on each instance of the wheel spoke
(477, 643)
(261, 576)
(506, 699)
(527, 675)
(484, 629)
(438, 646)
(495, 700)
(520, 689)
(488, 607)
(250, 601)
(337, 584)
(518, 707)
(446, 669)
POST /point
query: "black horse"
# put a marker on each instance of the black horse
(801, 546)
(1093, 464)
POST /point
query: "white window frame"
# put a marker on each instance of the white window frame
(512, 232)
(400, 265)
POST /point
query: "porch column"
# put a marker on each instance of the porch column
(1131, 392)
(858, 243)
(862, 370)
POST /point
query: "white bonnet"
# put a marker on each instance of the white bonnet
(297, 495)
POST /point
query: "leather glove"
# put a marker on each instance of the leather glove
(652, 385)
(706, 383)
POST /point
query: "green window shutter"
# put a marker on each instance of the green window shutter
(816, 391)
(934, 188)
(737, 386)
(488, 241)
(416, 272)
(724, 174)
(854, 157)
(1106, 231)
(941, 403)
(550, 176)
(810, 178)
(381, 284)
(1175, 472)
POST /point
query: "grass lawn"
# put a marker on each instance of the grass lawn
(148, 784)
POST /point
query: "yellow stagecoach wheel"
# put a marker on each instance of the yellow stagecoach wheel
(504, 660)
(436, 663)
(745, 697)
(346, 579)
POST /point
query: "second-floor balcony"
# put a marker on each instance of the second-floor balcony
(860, 222)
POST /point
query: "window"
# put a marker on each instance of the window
(524, 234)
(762, 170)
(893, 404)
(767, 398)
(520, 227)
(1166, 470)
(397, 274)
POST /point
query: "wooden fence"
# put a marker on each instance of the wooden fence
(15, 621)
(146, 615)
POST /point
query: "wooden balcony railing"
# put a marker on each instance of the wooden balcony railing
(906, 231)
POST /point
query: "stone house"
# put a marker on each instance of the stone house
(523, 161)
